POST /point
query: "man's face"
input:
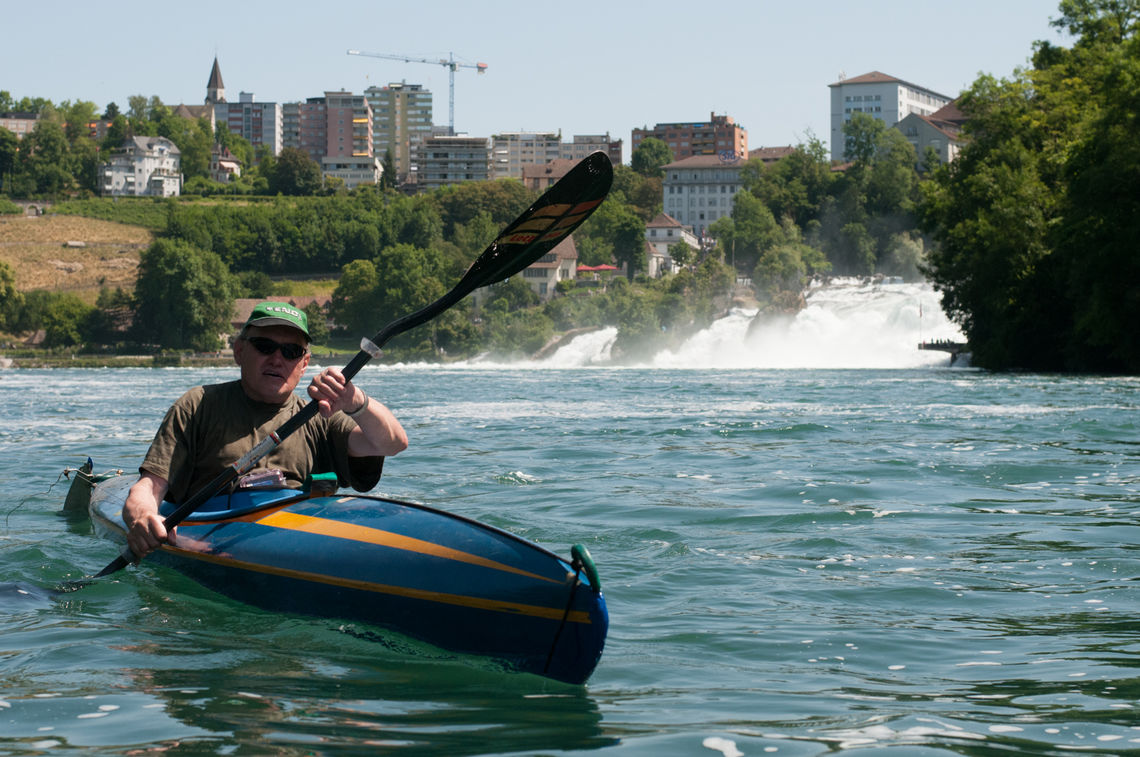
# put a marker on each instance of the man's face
(270, 378)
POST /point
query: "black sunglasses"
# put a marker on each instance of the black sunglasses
(267, 346)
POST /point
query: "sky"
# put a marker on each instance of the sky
(587, 68)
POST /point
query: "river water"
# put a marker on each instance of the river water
(812, 540)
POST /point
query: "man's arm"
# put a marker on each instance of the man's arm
(377, 431)
(145, 529)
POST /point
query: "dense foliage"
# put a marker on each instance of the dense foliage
(1038, 218)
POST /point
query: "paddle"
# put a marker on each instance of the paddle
(536, 232)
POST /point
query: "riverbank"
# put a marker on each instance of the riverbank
(142, 361)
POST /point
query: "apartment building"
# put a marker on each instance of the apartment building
(257, 123)
(512, 150)
(454, 160)
(881, 96)
(586, 144)
(720, 135)
(19, 124)
(700, 189)
(143, 166)
(402, 123)
(336, 132)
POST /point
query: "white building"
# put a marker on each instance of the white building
(661, 233)
(700, 189)
(144, 166)
(559, 264)
(881, 96)
(353, 170)
(939, 131)
(511, 151)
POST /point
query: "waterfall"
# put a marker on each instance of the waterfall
(846, 323)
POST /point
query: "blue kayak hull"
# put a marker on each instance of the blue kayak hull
(455, 583)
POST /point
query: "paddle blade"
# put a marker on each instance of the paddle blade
(547, 222)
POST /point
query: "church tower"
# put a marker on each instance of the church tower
(215, 90)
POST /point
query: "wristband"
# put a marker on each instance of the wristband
(359, 410)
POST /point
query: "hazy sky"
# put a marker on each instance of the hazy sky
(582, 68)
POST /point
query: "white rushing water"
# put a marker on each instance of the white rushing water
(847, 323)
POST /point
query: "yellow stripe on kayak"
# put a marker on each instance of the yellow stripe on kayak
(478, 603)
(325, 527)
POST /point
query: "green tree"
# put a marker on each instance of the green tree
(64, 320)
(650, 157)
(354, 296)
(318, 323)
(9, 149)
(185, 297)
(682, 254)
(295, 173)
(11, 299)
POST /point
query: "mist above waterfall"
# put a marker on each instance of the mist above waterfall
(847, 323)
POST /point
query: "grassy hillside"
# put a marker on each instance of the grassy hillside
(38, 251)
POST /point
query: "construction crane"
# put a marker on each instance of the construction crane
(451, 65)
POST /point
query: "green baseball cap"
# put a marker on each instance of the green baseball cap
(279, 314)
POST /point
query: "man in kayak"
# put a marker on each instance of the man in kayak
(210, 427)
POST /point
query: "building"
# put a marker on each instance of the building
(353, 170)
(769, 155)
(224, 166)
(940, 130)
(881, 96)
(349, 125)
(541, 178)
(701, 189)
(143, 166)
(260, 124)
(560, 264)
(335, 125)
(453, 160)
(717, 136)
(19, 124)
(587, 144)
(512, 150)
(401, 122)
(661, 233)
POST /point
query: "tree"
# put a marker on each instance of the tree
(352, 299)
(682, 254)
(318, 323)
(185, 297)
(64, 319)
(388, 179)
(10, 297)
(9, 149)
(1035, 219)
(861, 137)
(295, 173)
(650, 157)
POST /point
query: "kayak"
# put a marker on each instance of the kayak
(450, 581)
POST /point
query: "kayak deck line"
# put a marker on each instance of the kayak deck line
(339, 530)
(478, 603)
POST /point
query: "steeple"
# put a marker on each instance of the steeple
(215, 89)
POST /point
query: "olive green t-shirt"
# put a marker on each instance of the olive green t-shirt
(210, 427)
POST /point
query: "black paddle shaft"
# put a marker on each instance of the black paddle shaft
(552, 218)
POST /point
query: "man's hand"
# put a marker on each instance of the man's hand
(145, 528)
(333, 392)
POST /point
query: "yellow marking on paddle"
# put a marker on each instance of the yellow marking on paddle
(478, 603)
(326, 527)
